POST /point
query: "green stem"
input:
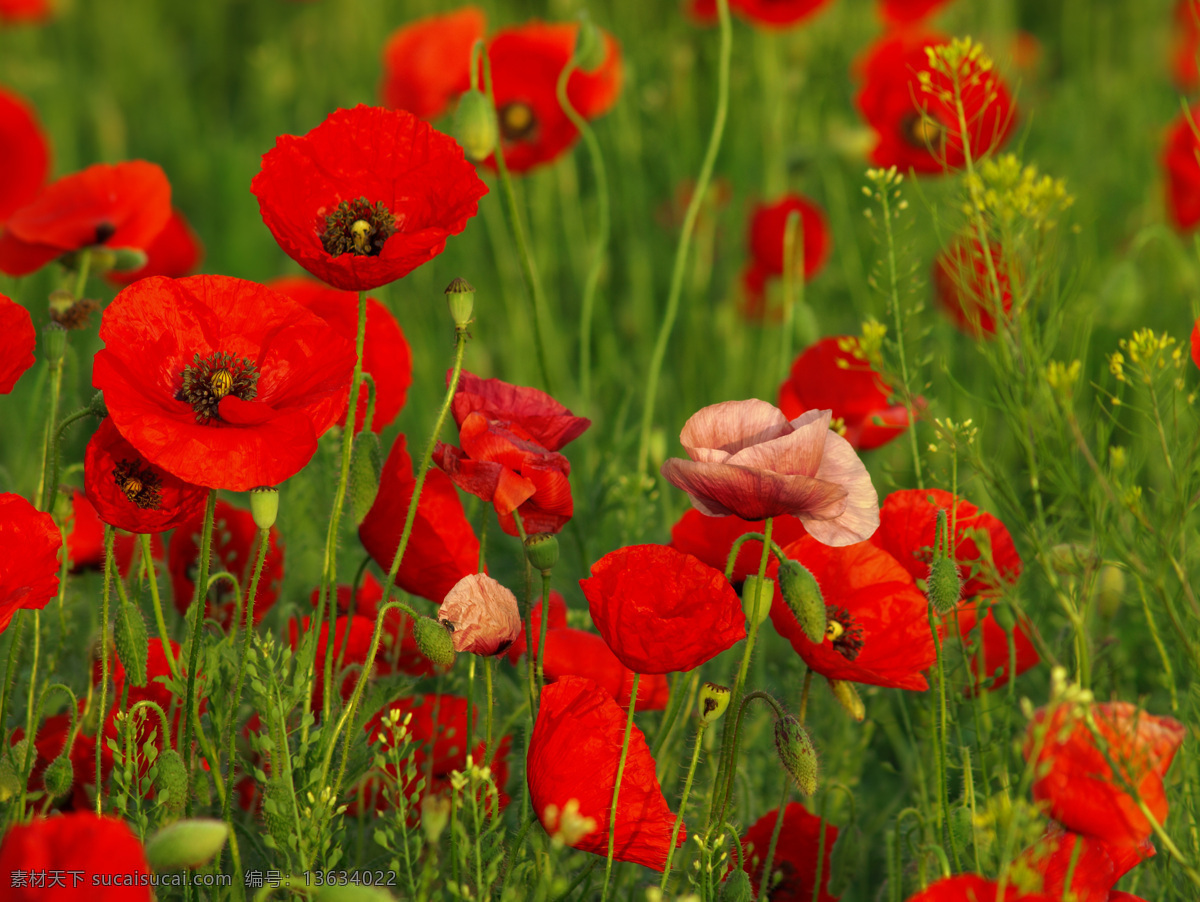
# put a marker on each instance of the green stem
(612, 812)
(687, 788)
(790, 269)
(764, 882)
(198, 604)
(30, 720)
(156, 601)
(46, 487)
(544, 626)
(10, 669)
(109, 567)
(50, 484)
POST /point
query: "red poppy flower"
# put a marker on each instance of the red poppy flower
(367, 196)
(907, 529)
(573, 754)
(234, 547)
(176, 252)
(222, 382)
(711, 538)
(918, 127)
(1094, 868)
(427, 63)
(123, 205)
(908, 12)
(442, 548)
(794, 867)
(992, 646)
(1186, 45)
(29, 546)
(973, 888)
(962, 284)
(385, 350)
(1183, 171)
(510, 436)
(526, 63)
(768, 227)
(129, 492)
(1075, 781)
(102, 848)
(662, 611)
(771, 13)
(20, 338)
(878, 620)
(24, 12)
(24, 152)
(835, 375)
(748, 459)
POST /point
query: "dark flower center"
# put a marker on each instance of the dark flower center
(517, 121)
(104, 231)
(843, 631)
(141, 486)
(921, 132)
(206, 381)
(358, 227)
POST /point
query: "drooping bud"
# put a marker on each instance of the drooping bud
(435, 815)
(97, 407)
(849, 699)
(736, 887)
(796, 753)
(475, 126)
(186, 844)
(434, 641)
(170, 782)
(58, 776)
(278, 805)
(54, 342)
(944, 585)
(541, 550)
(714, 700)
(589, 45)
(1110, 589)
(133, 644)
(1004, 615)
(264, 506)
(757, 595)
(803, 596)
(460, 295)
(366, 463)
(128, 259)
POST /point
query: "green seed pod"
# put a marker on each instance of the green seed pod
(278, 812)
(366, 463)
(460, 295)
(58, 776)
(962, 827)
(264, 506)
(944, 585)
(736, 887)
(127, 259)
(849, 699)
(589, 45)
(133, 645)
(171, 782)
(54, 341)
(186, 844)
(1110, 589)
(760, 592)
(475, 126)
(714, 700)
(541, 550)
(803, 596)
(796, 753)
(434, 641)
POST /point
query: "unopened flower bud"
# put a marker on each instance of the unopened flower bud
(434, 641)
(186, 844)
(435, 815)
(58, 776)
(460, 295)
(97, 407)
(541, 550)
(796, 753)
(170, 782)
(133, 644)
(1110, 589)
(757, 595)
(10, 765)
(589, 45)
(714, 700)
(962, 827)
(264, 506)
(475, 126)
(128, 259)
(1005, 616)
(481, 614)
(849, 699)
(803, 597)
(366, 464)
(736, 887)
(54, 342)
(944, 585)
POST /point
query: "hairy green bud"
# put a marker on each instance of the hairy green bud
(58, 776)
(133, 644)
(736, 887)
(757, 595)
(366, 465)
(434, 641)
(170, 780)
(278, 807)
(849, 699)
(803, 597)
(186, 844)
(945, 585)
(796, 753)
(714, 700)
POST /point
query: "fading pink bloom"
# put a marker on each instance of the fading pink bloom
(482, 615)
(748, 460)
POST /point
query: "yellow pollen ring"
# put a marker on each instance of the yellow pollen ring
(131, 487)
(924, 131)
(834, 630)
(222, 383)
(361, 232)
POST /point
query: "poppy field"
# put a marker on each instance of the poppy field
(707, 450)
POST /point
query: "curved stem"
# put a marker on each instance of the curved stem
(612, 812)
(687, 788)
(198, 612)
(45, 491)
(731, 558)
(50, 484)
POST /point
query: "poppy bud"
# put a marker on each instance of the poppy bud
(186, 844)
(434, 641)
(170, 780)
(128, 259)
(264, 506)
(944, 585)
(736, 887)
(756, 598)
(366, 463)
(843, 860)
(962, 827)
(1110, 589)
(803, 596)
(54, 342)
(133, 645)
(58, 776)
(460, 295)
(541, 550)
(277, 810)
(435, 815)
(1004, 616)
(714, 699)
(589, 45)
(849, 699)
(796, 753)
(97, 406)
(10, 782)
(475, 126)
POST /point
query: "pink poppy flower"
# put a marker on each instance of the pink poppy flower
(482, 614)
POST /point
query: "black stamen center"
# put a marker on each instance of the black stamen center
(207, 381)
(921, 132)
(844, 632)
(358, 227)
(517, 121)
(141, 485)
(104, 231)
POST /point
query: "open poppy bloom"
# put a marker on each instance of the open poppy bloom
(367, 196)
(767, 237)
(990, 662)
(222, 382)
(176, 252)
(129, 492)
(24, 12)
(1183, 172)
(1074, 781)
(794, 867)
(835, 375)
(29, 547)
(427, 63)
(662, 611)
(124, 205)
(442, 548)
(749, 460)
(878, 622)
(24, 152)
(908, 12)
(386, 356)
(103, 848)
(482, 614)
(1094, 869)
(19, 340)
(711, 538)
(916, 123)
(962, 284)
(771, 13)
(234, 547)
(973, 888)
(572, 769)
